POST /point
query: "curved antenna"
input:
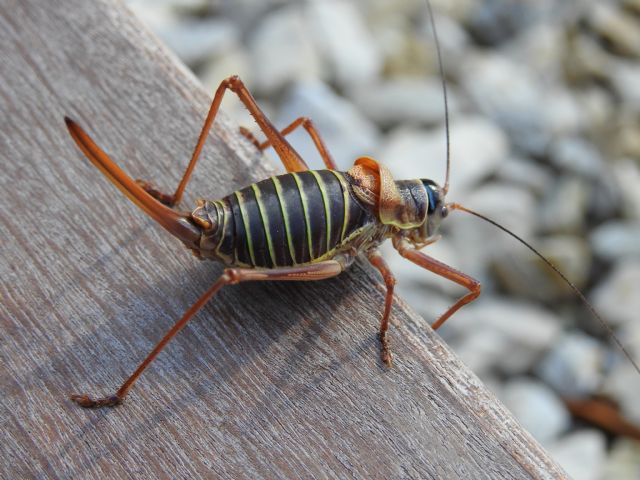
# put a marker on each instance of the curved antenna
(445, 188)
(605, 325)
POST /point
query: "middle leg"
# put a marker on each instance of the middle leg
(308, 125)
(390, 281)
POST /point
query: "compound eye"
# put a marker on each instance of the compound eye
(432, 195)
(444, 211)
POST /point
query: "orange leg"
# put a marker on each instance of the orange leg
(290, 158)
(231, 276)
(389, 280)
(443, 270)
(308, 125)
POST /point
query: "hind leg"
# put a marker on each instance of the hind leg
(231, 276)
(289, 157)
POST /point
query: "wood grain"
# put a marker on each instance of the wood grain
(271, 380)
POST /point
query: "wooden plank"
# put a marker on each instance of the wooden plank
(271, 380)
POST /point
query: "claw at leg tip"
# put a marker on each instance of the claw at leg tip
(386, 357)
(385, 352)
(86, 401)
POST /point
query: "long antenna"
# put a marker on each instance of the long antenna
(445, 188)
(605, 325)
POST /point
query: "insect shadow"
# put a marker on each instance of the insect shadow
(243, 325)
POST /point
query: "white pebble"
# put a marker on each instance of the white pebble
(345, 41)
(574, 367)
(282, 50)
(537, 408)
(582, 454)
(617, 296)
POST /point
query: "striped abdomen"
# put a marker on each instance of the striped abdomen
(288, 220)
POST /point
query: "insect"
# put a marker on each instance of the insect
(304, 225)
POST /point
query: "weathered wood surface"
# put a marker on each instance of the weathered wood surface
(270, 380)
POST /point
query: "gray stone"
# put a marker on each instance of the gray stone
(616, 297)
(574, 366)
(233, 61)
(625, 76)
(617, 26)
(345, 41)
(453, 37)
(511, 206)
(155, 15)
(537, 408)
(622, 381)
(622, 385)
(627, 175)
(605, 201)
(478, 349)
(576, 155)
(196, 40)
(477, 243)
(245, 13)
(563, 208)
(561, 112)
(406, 41)
(630, 333)
(282, 51)
(173, 5)
(539, 44)
(627, 141)
(510, 335)
(523, 273)
(530, 109)
(586, 59)
(403, 100)
(425, 301)
(478, 146)
(410, 152)
(495, 22)
(623, 462)
(507, 93)
(598, 109)
(524, 173)
(345, 131)
(616, 240)
(582, 454)
(403, 54)
(632, 5)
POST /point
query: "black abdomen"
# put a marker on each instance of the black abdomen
(290, 219)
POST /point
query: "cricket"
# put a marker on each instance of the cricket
(303, 225)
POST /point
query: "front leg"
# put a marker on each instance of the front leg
(439, 268)
(390, 281)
